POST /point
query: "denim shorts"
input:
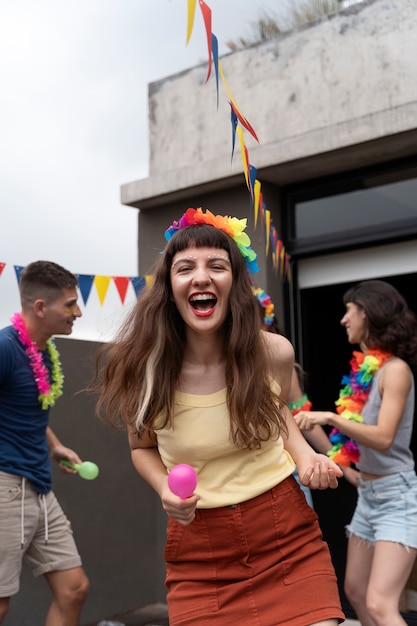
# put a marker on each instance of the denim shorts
(387, 510)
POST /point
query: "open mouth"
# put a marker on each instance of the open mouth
(203, 302)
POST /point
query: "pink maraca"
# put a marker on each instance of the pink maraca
(182, 480)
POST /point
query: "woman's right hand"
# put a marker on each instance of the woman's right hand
(182, 510)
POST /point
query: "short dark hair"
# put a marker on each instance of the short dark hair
(46, 280)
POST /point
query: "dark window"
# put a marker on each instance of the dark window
(357, 209)
(362, 208)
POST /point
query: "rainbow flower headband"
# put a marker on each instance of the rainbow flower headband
(266, 303)
(232, 226)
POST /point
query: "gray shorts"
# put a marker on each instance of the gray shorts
(36, 529)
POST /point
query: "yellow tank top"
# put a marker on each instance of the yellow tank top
(226, 474)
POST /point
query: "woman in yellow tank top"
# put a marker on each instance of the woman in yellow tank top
(193, 383)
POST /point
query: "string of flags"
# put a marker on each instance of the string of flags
(240, 124)
(101, 284)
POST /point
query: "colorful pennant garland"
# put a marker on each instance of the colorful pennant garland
(240, 123)
(280, 258)
(100, 282)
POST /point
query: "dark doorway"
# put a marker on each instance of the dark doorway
(325, 356)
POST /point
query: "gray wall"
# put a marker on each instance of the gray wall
(117, 520)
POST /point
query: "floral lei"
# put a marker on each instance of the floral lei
(266, 303)
(48, 392)
(352, 398)
(232, 226)
(302, 404)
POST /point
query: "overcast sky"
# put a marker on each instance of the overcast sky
(73, 120)
(73, 111)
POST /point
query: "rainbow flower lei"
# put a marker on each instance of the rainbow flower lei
(48, 392)
(266, 303)
(232, 226)
(302, 404)
(352, 398)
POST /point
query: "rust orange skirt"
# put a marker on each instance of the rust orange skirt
(259, 563)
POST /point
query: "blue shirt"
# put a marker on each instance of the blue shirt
(23, 445)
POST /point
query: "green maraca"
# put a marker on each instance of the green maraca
(87, 469)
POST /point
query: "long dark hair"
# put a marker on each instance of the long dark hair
(390, 324)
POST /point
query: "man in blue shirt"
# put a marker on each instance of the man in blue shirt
(32, 523)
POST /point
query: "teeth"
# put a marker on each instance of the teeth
(201, 297)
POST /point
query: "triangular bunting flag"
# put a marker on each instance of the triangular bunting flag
(85, 282)
(257, 195)
(18, 269)
(2, 266)
(252, 179)
(206, 12)
(102, 284)
(215, 47)
(234, 121)
(122, 283)
(267, 229)
(191, 14)
(138, 283)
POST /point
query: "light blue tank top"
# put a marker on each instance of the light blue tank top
(399, 457)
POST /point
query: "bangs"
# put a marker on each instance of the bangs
(205, 236)
(198, 236)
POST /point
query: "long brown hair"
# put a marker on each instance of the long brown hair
(137, 374)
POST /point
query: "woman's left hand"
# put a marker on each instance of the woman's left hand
(317, 471)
